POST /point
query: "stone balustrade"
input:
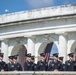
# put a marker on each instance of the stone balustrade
(37, 73)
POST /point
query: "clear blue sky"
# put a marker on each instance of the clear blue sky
(21, 5)
(54, 49)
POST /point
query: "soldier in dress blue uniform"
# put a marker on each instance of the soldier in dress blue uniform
(75, 63)
(17, 66)
(62, 64)
(33, 64)
(70, 64)
(55, 65)
(41, 65)
(28, 63)
(10, 64)
(3, 65)
(50, 60)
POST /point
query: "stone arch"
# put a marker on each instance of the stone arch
(54, 49)
(73, 47)
(44, 45)
(21, 50)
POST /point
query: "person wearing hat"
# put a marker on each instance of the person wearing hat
(50, 60)
(17, 66)
(10, 64)
(70, 64)
(41, 65)
(28, 63)
(62, 64)
(33, 64)
(55, 65)
(3, 65)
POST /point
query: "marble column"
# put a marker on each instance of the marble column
(63, 46)
(4, 49)
(31, 45)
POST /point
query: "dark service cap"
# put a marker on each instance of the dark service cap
(28, 55)
(61, 58)
(32, 57)
(56, 54)
(71, 54)
(1, 54)
(10, 57)
(42, 54)
(51, 58)
(15, 56)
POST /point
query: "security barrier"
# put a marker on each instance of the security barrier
(37, 73)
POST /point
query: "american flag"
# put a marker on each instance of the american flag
(48, 50)
(47, 55)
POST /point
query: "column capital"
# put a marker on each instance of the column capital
(1, 39)
(31, 44)
(5, 40)
(30, 36)
(61, 33)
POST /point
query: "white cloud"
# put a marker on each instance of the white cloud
(6, 10)
(40, 3)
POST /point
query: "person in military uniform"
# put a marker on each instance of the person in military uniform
(41, 65)
(33, 64)
(3, 65)
(55, 65)
(62, 64)
(50, 60)
(17, 66)
(75, 63)
(10, 64)
(70, 64)
(28, 63)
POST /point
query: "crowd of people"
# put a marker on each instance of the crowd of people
(54, 64)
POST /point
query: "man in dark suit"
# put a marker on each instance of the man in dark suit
(28, 63)
(17, 66)
(10, 64)
(55, 65)
(62, 64)
(70, 64)
(3, 65)
(41, 65)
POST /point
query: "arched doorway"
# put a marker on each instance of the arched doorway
(42, 48)
(50, 49)
(21, 50)
(73, 49)
(54, 49)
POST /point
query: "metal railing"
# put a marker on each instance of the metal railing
(38, 73)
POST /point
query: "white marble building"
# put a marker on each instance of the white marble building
(32, 30)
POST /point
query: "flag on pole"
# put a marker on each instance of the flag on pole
(47, 51)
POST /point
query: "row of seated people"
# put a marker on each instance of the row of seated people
(55, 64)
